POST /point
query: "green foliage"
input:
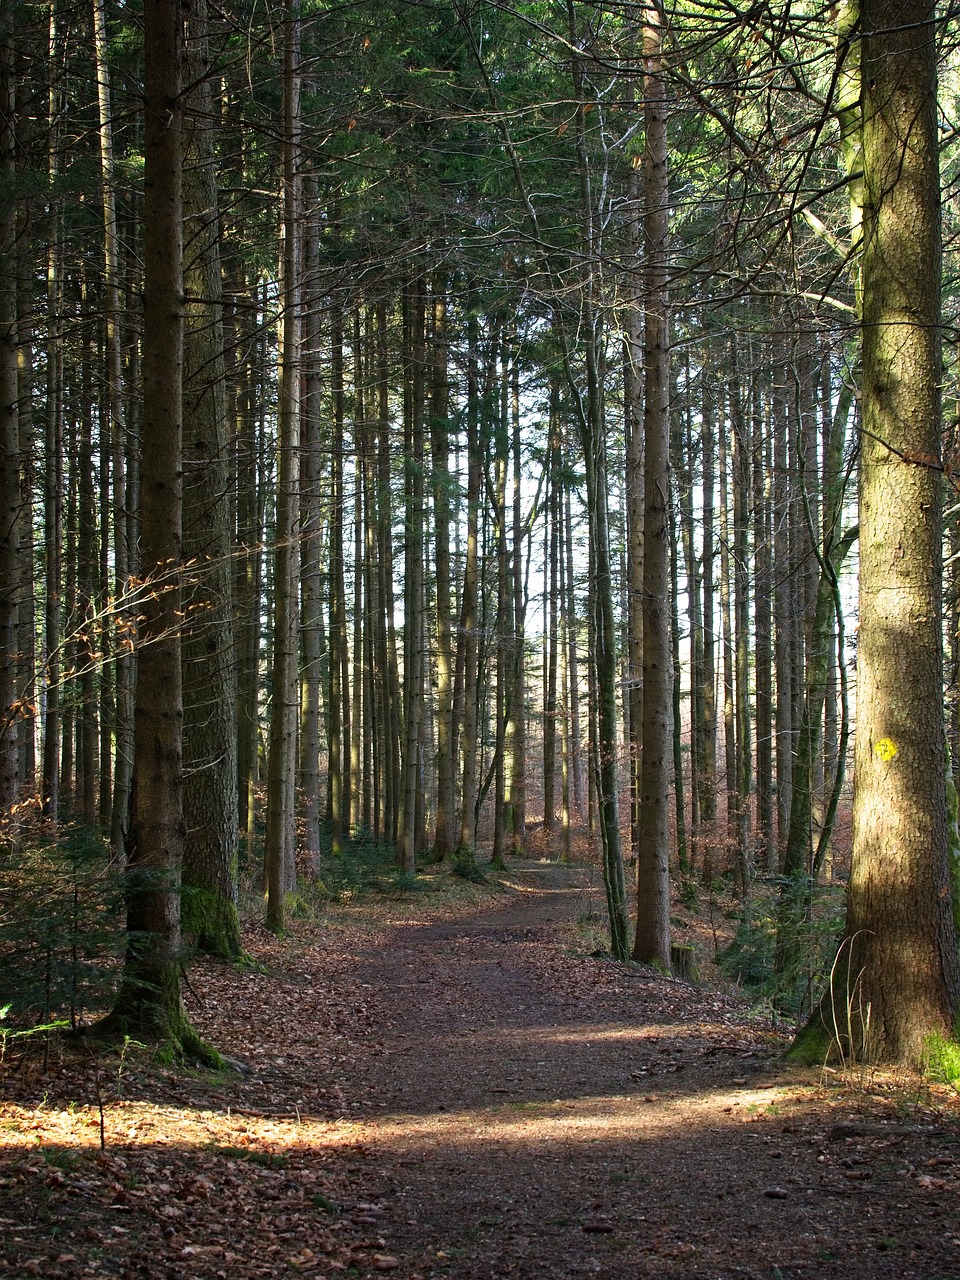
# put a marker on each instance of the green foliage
(366, 864)
(943, 1061)
(465, 865)
(783, 958)
(59, 934)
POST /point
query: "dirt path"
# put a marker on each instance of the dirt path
(531, 1115)
(433, 1091)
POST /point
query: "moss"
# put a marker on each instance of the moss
(212, 923)
(942, 1060)
(464, 864)
(150, 1010)
(812, 1045)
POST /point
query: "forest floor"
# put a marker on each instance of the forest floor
(450, 1085)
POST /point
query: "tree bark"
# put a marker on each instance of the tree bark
(209, 911)
(652, 939)
(280, 840)
(897, 980)
(149, 1004)
(9, 436)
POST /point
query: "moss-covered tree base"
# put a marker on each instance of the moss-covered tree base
(172, 1037)
(464, 864)
(813, 1044)
(149, 1009)
(212, 924)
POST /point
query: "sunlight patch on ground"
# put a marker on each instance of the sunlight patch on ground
(587, 1119)
(520, 1123)
(139, 1123)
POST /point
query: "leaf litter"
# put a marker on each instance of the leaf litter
(451, 1086)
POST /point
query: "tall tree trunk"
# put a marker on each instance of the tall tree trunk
(504, 621)
(728, 666)
(633, 430)
(117, 433)
(900, 945)
(413, 577)
(249, 577)
(53, 448)
(148, 1004)
(517, 725)
(783, 620)
(280, 842)
(652, 941)
(740, 478)
(444, 837)
(386, 637)
(469, 609)
(686, 454)
(593, 440)
(311, 621)
(553, 541)
(209, 912)
(9, 435)
(359, 727)
(708, 746)
(338, 716)
(763, 620)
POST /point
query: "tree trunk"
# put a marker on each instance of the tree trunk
(148, 1004)
(9, 437)
(311, 524)
(338, 717)
(469, 609)
(209, 911)
(53, 448)
(652, 941)
(897, 980)
(280, 841)
(444, 837)
(413, 694)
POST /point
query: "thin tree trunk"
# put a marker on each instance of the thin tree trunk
(53, 448)
(708, 747)
(338, 718)
(444, 837)
(9, 437)
(311, 630)
(469, 620)
(413, 577)
(280, 841)
(517, 726)
(652, 941)
(124, 662)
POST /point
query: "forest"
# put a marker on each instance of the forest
(439, 427)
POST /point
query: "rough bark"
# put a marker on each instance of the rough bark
(652, 939)
(209, 910)
(899, 952)
(148, 1004)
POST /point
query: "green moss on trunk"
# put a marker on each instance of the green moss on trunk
(211, 923)
(813, 1044)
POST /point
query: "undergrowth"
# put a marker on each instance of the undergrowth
(784, 945)
(943, 1061)
(60, 936)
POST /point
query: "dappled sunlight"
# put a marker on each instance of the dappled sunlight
(127, 1123)
(588, 1118)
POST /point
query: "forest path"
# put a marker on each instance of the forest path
(530, 1113)
(446, 1085)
